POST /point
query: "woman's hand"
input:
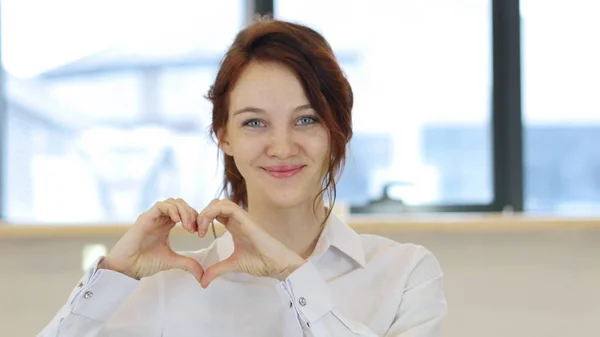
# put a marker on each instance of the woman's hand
(144, 250)
(255, 251)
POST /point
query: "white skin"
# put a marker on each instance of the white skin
(271, 123)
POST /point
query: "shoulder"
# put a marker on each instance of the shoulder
(408, 259)
(376, 246)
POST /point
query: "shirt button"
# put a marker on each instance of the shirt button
(88, 295)
(302, 301)
(291, 304)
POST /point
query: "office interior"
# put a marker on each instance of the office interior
(476, 135)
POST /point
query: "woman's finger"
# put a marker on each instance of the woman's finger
(218, 269)
(188, 264)
(166, 209)
(191, 213)
(203, 220)
(186, 219)
(225, 211)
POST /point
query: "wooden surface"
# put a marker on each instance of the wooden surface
(489, 222)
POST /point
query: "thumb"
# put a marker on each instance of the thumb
(188, 264)
(216, 270)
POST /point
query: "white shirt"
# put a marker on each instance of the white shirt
(353, 285)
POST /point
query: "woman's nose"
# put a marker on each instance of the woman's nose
(282, 145)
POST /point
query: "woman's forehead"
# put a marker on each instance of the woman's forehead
(267, 86)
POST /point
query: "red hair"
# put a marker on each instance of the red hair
(311, 58)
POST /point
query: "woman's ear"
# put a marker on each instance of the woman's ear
(224, 141)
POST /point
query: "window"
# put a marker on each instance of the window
(561, 105)
(422, 77)
(106, 113)
(105, 106)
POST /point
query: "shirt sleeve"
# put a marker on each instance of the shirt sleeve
(99, 294)
(420, 313)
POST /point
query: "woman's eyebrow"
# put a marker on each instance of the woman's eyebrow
(258, 110)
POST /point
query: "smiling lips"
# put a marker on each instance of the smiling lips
(283, 171)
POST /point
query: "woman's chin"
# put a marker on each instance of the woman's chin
(285, 202)
(287, 199)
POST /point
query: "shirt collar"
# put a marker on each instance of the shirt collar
(336, 234)
(340, 235)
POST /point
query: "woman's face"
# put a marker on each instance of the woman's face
(275, 137)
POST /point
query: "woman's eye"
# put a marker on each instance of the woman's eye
(307, 120)
(254, 123)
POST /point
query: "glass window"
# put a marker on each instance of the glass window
(561, 105)
(105, 105)
(421, 73)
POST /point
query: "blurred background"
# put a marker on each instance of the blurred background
(105, 109)
(462, 107)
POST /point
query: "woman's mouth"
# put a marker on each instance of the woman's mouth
(283, 171)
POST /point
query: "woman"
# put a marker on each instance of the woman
(286, 266)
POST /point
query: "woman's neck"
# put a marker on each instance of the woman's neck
(297, 227)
